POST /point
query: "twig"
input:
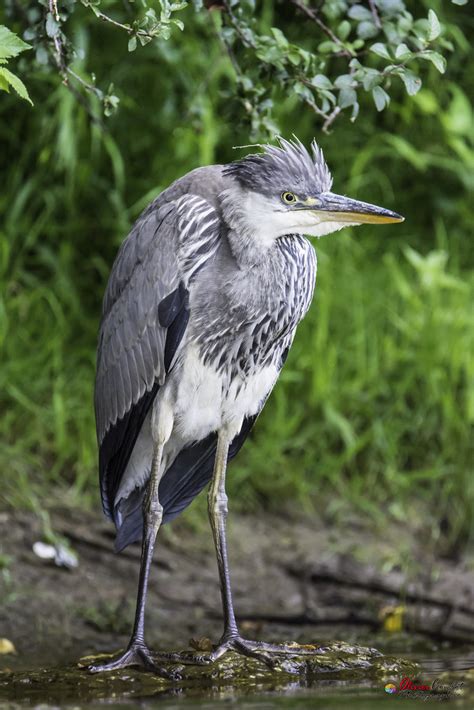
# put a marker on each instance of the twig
(58, 45)
(128, 29)
(245, 40)
(65, 70)
(313, 15)
(110, 20)
(331, 118)
(231, 55)
(81, 100)
(375, 14)
(90, 87)
(314, 107)
(53, 8)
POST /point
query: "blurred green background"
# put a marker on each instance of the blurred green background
(374, 409)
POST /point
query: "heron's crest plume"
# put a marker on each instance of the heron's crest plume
(286, 166)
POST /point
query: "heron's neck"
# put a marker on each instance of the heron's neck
(251, 234)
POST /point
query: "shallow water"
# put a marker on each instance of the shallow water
(73, 687)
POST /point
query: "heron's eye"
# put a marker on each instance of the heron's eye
(289, 198)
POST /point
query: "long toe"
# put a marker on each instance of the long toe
(283, 657)
(285, 649)
(194, 658)
(125, 659)
(246, 648)
(185, 657)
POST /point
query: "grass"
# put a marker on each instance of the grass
(375, 406)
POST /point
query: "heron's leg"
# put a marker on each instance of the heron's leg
(271, 654)
(217, 508)
(137, 652)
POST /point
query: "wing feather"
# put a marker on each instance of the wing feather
(145, 314)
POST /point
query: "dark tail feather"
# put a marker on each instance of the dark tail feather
(182, 482)
(129, 519)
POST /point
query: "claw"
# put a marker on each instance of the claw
(271, 655)
(135, 655)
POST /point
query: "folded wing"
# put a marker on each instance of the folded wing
(145, 315)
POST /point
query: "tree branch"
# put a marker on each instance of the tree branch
(331, 118)
(58, 44)
(313, 15)
(127, 28)
(235, 23)
(65, 70)
(375, 14)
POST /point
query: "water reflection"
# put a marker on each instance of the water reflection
(46, 690)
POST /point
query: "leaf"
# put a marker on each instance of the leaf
(371, 78)
(164, 31)
(411, 81)
(390, 8)
(303, 91)
(294, 58)
(347, 97)
(52, 27)
(10, 44)
(381, 98)
(459, 2)
(359, 12)
(344, 81)
(402, 52)
(111, 103)
(367, 30)
(344, 29)
(41, 55)
(328, 46)
(434, 28)
(380, 49)
(280, 38)
(321, 82)
(328, 96)
(435, 58)
(132, 44)
(16, 83)
(355, 111)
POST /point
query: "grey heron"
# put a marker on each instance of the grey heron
(199, 314)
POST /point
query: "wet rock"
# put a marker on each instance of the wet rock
(335, 660)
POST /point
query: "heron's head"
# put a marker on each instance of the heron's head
(286, 189)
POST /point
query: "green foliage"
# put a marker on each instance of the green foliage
(327, 56)
(11, 46)
(376, 405)
(328, 76)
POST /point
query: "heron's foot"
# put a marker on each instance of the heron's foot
(272, 655)
(137, 654)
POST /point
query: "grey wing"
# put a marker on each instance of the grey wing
(145, 313)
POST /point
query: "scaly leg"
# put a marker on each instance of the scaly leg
(218, 510)
(231, 640)
(137, 652)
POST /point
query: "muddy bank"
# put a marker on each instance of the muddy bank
(293, 580)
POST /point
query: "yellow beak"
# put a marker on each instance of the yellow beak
(343, 209)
